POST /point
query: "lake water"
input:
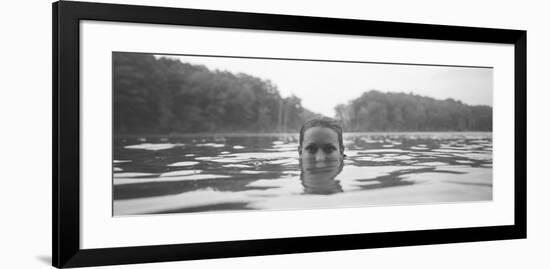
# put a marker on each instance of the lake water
(153, 175)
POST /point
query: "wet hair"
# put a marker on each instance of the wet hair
(323, 122)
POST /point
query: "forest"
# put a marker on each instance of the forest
(377, 111)
(162, 96)
(165, 96)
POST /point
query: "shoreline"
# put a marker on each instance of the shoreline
(230, 134)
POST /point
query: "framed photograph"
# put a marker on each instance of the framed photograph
(191, 134)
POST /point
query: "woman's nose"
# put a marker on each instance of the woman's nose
(320, 156)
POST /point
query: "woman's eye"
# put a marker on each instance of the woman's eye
(311, 149)
(329, 149)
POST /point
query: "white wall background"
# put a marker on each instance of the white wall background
(25, 104)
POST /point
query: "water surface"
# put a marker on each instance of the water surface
(154, 175)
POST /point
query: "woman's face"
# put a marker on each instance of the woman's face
(320, 144)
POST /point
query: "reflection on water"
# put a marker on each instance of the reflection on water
(320, 177)
(249, 172)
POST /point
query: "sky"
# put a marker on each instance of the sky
(323, 85)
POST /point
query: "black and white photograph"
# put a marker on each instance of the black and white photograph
(283, 134)
(194, 134)
(226, 133)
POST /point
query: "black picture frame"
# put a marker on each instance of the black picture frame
(66, 134)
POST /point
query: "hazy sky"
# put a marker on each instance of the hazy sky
(323, 85)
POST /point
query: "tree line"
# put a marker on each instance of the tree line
(153, 95)
(161, 96)
(377, 111)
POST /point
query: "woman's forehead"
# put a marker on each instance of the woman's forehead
(320, 135)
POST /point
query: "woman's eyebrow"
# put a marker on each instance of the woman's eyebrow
(320, 144)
